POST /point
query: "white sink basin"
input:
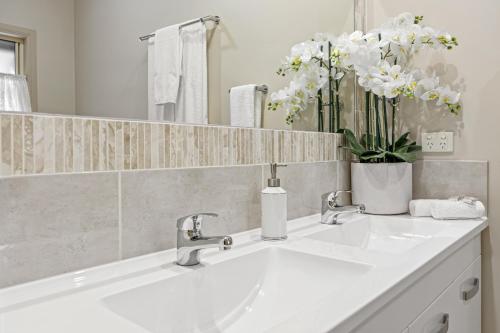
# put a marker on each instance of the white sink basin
(381, 234)
(249, 294)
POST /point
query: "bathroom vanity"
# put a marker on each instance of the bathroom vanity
(370, 274)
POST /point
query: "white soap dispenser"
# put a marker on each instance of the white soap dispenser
(274, 208)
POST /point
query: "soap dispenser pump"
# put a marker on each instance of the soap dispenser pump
(274, 207)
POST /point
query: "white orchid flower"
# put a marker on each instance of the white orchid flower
(447, 96)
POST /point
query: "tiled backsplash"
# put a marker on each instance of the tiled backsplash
(51, 224)
(34, 144)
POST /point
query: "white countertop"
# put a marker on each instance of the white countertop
(73, 302)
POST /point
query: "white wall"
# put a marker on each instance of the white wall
(53, 21)
(474, 67)
(248, 46)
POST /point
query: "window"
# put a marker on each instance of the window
(11, 55)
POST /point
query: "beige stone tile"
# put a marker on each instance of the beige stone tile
(441, 179)
(155, 143)
(321, 147)
(49, 146)
(179, 146)
(111, 134)
(87, 145)
(197, 136)
(173, 145)
(103, 145)
(276, 147)
(168, 145)
(119, 152)
(126, 145)
(140, 146)
(28, 147)
(68, 144)
(212, 147)
(17, 144)
(6, 149)
(149, 212)
(78, 145)
(74, 227)
(134, 148)
(246, 147)
(239, 146)
(59, 144)
(147, 146)
(190, 147)
(225, 146)
(205, 151)
(161, 145)
(95, 146)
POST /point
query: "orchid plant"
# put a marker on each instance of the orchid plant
(381, 61)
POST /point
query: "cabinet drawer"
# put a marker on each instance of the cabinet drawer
(395, 316)
(457, 309)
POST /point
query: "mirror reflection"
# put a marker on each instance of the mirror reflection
(191, 61)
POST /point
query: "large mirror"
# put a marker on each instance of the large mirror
(194, 61)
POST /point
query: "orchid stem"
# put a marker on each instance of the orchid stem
(367, 111)
(386, 129)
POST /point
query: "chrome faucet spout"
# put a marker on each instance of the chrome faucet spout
(222, 242)
(190, 240)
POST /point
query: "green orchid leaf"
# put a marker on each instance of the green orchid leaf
(372, 154)
(403, 139)
(354, 145)
(403, 157)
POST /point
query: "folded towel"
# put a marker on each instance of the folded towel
(192, 105)
(421, 207)
(455, 209)
(167, 64)
(245, 106)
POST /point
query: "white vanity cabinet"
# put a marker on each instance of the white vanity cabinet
(447, 299)
(457, 309)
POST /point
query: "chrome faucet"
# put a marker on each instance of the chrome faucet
(190, 239)
(331, 210)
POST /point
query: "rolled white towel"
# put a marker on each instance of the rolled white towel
(457, 209)
(422, 207)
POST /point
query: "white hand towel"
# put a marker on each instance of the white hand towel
(421, 207)
(156, 112)
(193, 94)
(258, 109)
(455, 210)
(167, 64)
(245, 106)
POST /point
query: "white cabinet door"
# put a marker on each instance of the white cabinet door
(457, 309)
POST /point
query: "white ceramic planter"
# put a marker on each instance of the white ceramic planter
(384, 188)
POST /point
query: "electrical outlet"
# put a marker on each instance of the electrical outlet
(437, 142)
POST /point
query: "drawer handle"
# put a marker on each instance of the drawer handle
(467, 295)
(445, 324)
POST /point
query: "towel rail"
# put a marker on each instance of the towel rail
(213, 18)
(262, 88)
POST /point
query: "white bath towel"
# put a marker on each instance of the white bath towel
(167, 64)
(192, 106)
(421, 207)
(245, 104)
(457, 209)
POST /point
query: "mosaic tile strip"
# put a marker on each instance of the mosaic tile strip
(36, 144)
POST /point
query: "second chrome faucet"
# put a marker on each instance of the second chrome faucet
(190, 240)
(331, 209)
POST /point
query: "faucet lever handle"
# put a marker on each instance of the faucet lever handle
(192, 222)
(333, 197)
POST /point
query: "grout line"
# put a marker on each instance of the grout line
(120, 225)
